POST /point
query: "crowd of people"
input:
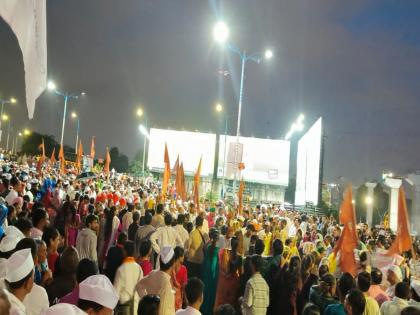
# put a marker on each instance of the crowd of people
(117, 246)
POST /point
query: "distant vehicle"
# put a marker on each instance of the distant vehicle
(86, 176)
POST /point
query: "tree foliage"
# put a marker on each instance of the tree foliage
(118, 161)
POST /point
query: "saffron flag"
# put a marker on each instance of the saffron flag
(348, 240)
(61, 159)
(92, 149)
(52, 159)
(107, 161)
(166, 172)
(79, 156)
(176, 166)
(197, 187)
(183, 191)
(241, 196)
(402, 242)
(42, 148)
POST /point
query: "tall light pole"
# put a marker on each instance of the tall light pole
(52, 87)
(221, 35)
(75, 116)
(5, 117)
(12, 100)
(219, 109)
(143, 130)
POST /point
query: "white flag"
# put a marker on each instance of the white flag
(28, 20)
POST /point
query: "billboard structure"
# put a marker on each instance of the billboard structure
(309, 165)
(266, 161)
(190, 146)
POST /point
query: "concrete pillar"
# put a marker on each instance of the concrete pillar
(369, 202)
(394, 184)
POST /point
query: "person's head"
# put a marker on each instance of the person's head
(311, 309)
(376, 276)
(402, 290)
(250, 228)
(225, 309)
(323, 270)
(149, 305)
(20, 272)
(328, 285)
(51, 237)
(168, 219)
(68, 261)
(181, 219)
(30, 244)
(148, 218)
(24, 225)
(41, 251)
(345, 284)
(259, 247)
(136, 217)
(214, 234)
(159, 208)
(355, 302)
(97, 296)
(277, 247)
(85, 269)
(411, 310)
(179, 255)
(122, 237)
(145, 248)
(167, 258)
(128, 249)
(39, 218)
(363, 281)
(92, 222)
(199, 222)
(194, 292)
(256, 263)
(394, 275)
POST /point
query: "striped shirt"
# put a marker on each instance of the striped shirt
(256, 296)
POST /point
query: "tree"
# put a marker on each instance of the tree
(118, 161)
(30, 144)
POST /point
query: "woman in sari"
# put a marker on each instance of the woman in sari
(179, 277)
(108, 234)
(230, 269)
(210, 272)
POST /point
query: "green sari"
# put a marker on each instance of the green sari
(210, 275)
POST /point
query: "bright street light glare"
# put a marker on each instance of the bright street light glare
(20, 134)
(299, 126)
(301, 117)
(368, 200)
(73, 115)
(219, 107)
(51, 86)
(83, 93)
(26, 132)
(140, 112)
(13, 100)
(5, 117)
(268, 54)
(220, 32)
(144, 131)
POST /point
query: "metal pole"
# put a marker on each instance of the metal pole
(1, 117)
(64, 119)
(238, 130)
(224, 160)
(144, 149)
(77, 135)
(8, 134)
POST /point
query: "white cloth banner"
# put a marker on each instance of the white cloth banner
(28, 20)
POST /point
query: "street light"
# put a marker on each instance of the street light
(221, 35)
(75, 116)
(368, 201)
(296, 126)
(140, 112)
(5, 117)
(219, 107)
(12, 100)
(26, 132)
(52, 87)
(144, 132)
(219, 110)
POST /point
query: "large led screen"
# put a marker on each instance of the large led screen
(266, 161)
(308, 165)
(189, 145)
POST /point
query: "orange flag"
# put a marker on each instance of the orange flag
(197, 187)
(62, 160)
(42, 148)
(166, 172)
(107, 162)
(403, 242)
(52, 159)
(176, 166)
(79, 156)
(241, 196)
(92, 149)
(348, 240)
(183, 190)
(178, 183)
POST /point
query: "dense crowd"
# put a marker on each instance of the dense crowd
(117, 246)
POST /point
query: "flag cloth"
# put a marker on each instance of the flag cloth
(52, 159)
(42, 149)
(92, 149)
(348, 240)
(61, 159)
(178, 183)
(166, 172)
(402, 242)
(28, 20)
(176, 166)
(79, 156)
(183, 191)
(241, 196)
(107, 161)
(197, 187)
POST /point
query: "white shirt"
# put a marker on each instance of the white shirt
(11, 196)
(183, 233)
(17, 307)
(188, 311)
(165, 236)
(393, 307)
(36, 233)
(292, 231)
(126, 279)
(36, 302)
(127, 220)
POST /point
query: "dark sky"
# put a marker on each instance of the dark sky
(356, 63)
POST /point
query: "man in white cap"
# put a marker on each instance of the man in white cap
(19, 279)
(158, 282)
(64, 309)
(7, 247)
(97, 296)
(394, 276)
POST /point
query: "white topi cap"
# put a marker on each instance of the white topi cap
(19, 265)
(99, 289)
(166, 254)
(9, 243)
(13, 230)
(63, 309)
(397, 271)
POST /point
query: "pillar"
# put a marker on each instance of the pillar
(394, 185)
(369, 205)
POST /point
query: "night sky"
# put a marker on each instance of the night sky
(356, 63)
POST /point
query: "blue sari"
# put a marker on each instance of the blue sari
(210, 275)
(3, 216)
